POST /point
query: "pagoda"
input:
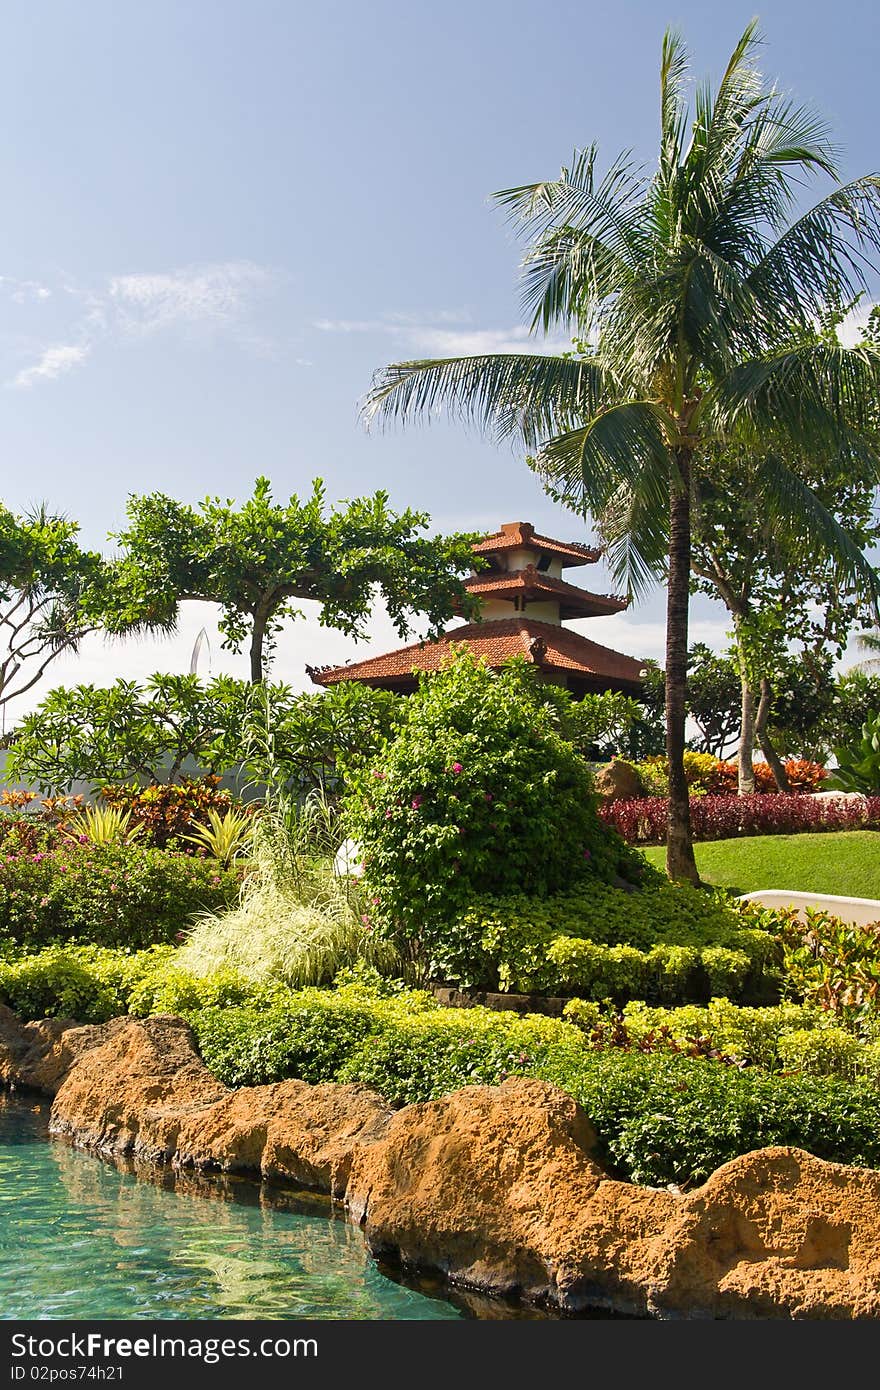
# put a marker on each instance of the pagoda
(524, 602)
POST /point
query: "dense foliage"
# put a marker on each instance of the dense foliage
(787, 1037)
(660, 1118)
(160, 731)
(858, 763)
(706, 774)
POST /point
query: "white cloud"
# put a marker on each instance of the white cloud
(55, 362)
(850, 331)
(22, 291)
(431, 335)
(215, 296)
(197, 294)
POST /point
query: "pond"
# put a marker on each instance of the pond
(85, 1238)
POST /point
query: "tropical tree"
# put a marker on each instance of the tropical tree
(693, 291)
(174, 727)
(785, 598)
(52, 594)
(256, 561)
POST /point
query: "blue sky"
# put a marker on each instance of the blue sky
(220, 218)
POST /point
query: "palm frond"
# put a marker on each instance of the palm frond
(609, 211)
(674, 64)
(529, 396)
(817, 395)
(831, 247)
(635, 534)
(616, 468)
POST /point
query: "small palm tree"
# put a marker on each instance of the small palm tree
(869, 642)
(694, 293)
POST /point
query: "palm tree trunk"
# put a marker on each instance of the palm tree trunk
(680, 861)
(777, 767)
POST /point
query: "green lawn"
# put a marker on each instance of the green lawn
(845, 862)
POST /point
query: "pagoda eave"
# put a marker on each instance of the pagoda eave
(559, 653)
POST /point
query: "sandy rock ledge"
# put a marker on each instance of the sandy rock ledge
(494, 1186)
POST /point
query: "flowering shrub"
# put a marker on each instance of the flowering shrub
(643, 821)
(477, 793)
(110, 895)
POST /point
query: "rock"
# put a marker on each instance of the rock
(618, 781)
(130, 1093)
(775, 1233)
(484, 1185)
(289, 1131)
(143, 1091)
(498, 1187)
(40, 1054)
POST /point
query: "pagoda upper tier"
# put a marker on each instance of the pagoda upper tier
(523, 603)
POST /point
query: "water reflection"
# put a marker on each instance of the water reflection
(82, 1238)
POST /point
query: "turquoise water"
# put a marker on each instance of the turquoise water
(83, 1238)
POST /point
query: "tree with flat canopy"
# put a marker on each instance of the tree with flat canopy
(257, 560)
(692, 292)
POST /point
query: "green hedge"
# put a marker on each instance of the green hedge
(788, 1037)
(109, 895)
(667, 943)
(660, 1117)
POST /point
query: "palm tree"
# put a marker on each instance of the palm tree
(869, 642)
(693, 294)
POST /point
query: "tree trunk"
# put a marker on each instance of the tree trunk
(745, 769)
(258, 633)
(777, 766)
(680, 861)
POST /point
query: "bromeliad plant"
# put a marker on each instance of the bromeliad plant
(102, 825)
(224, 837)
(693, 292)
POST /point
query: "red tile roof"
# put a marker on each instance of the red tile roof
(517, 534)
(511, 583)
(552, 647)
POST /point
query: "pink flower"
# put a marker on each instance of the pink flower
(417, 801)
(389, 813)
(587, 854)
(487, 796)
(380, 776)
(456, 767)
